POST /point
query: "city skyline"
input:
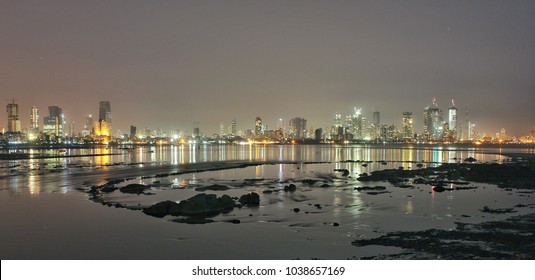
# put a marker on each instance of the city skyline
(172, 65)
(437, 127)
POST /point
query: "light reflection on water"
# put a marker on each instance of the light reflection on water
(405, 156)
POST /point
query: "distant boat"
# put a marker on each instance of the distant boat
(62, 151)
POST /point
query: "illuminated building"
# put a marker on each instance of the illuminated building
(452, 120)
(88, 126)
(357, 124)
(13, 122)
(34, 120)
(258, 127)
(407, 127)
(104, 113)
(53, 123)
(298, 127)
(234, 129)
(433, 124)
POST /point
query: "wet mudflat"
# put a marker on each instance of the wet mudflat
(425, 213)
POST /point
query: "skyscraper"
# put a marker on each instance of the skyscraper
(376, 118)
(53, 123)
(358, 128)
(298, 127)
(258, 127)
(452, 120)
(13, 121)
(34, 120)
(104, 119)
(407, 128)
(433, 122)
(234, 129)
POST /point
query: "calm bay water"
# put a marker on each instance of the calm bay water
(45, 215)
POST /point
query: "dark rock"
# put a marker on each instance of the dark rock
(234, 221)
(108, 189)
(290, 188)
(345, 172)
(317, 206)
(366, 188)
(134, 188)
(162, 209)
(296, 210)
(486, 209)
(206, 204)
(267, 191)
(309, 181)
(470, 159)
(195, 220)
(325, 186)
(336, 224)
(250, 199)
(212, 188)
(439, 188)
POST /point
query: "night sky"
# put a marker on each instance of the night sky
(169, 64)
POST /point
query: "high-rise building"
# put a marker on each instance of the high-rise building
(318, 135)
(34, 120)
(452, 120)
(433, 123)
(258, 127)
(53, 123)
(104, 112)
(234, 129)
(298, 128)
(376, 118)
(104, 119)
(133, 131)
(407, 126)
(221, 130)
(357, 124)
(71, 129)
(13, 121)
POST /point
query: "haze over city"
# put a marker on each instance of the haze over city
(169, 64)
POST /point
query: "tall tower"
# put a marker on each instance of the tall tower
(376, 118)
(407, 128)
(13, 121)
(258, 127)
(298, 127)
(358, 128)
(433, 121)
(104, 118)
(234, 129)
(452, 120)
(53, 123)
(34, 119)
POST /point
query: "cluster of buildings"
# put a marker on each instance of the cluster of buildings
(438, 127)
(54, 127)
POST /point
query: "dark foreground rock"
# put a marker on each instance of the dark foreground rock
(250, 199)
(512, 239)
(206, 204)
(134, 188)
(215, 187)
(162, 209)
(510, 175)
(199, 205)
(290, 188)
